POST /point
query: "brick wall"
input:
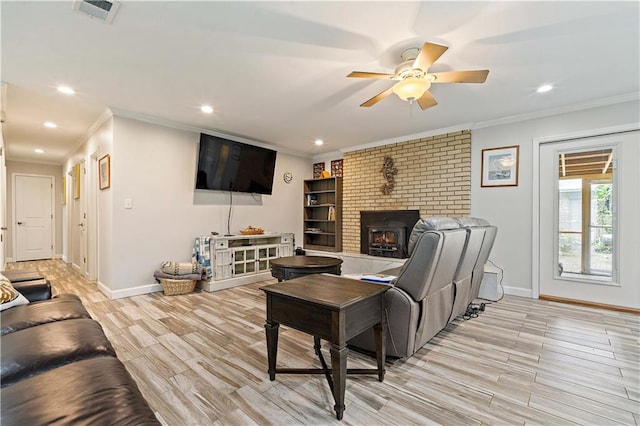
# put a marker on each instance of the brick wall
(434, 176)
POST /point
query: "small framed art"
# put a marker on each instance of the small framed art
(500, 166)
(318, 168)
(64, 190)
(76, 182)
(104, 170)
(336, 168)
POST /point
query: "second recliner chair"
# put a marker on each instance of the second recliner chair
(419, 304)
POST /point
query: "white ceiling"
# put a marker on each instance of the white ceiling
(275, 72)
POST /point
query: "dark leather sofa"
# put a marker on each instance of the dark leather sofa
(58, 367)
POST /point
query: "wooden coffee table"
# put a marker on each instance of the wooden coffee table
(331, 308)
(286, 268)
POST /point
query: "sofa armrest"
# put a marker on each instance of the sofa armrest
(34, 290)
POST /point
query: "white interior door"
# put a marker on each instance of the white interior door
(590, 219)
(33, 217)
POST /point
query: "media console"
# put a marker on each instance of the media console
(244, 259)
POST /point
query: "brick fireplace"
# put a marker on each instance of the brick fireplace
(434, 178)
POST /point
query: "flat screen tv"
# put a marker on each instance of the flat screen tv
(226, 165)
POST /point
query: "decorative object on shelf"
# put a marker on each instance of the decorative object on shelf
(389, 171)
(325, 174)
(332, 213)
(312, 199)
(314, 230)
(250, 230)
(104, 169)
(336, 168)
(287, 177)
(76, 181)
(500, 166)
(318, 168)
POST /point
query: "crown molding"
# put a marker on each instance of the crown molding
(187, 128)
(407, 138)
(106, 115)
(627, 97)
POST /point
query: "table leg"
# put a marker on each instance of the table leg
(316, 344)
(339, 371)
(271, 330)
(380, 332)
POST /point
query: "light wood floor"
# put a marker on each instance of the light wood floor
(200, 359)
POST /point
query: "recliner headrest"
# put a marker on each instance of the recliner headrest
(430, 224)
(471, 222)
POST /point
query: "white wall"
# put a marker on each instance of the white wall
(510, 208)
(100, 140)
(155, 166)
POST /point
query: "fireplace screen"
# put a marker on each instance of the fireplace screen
(387, 242)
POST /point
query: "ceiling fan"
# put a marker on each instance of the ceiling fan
(413, 78)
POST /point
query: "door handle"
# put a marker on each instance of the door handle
(19, 223)
(3, 228)
(81, 224)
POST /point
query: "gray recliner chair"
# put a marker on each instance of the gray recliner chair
(420, 303)
(468, 277)
(483, 256)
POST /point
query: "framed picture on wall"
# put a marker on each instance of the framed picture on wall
(500, 166)
(104, 170)
(318, 168)
(336, 168)
(64, 190)
(76, 181)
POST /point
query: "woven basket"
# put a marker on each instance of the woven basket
(251, 232)
(174, 287)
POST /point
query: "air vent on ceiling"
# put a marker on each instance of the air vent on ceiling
(103, 10)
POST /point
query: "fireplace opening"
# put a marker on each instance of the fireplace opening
(385, 233)
(387, 242)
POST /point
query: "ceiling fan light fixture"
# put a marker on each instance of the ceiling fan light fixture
(411, 88)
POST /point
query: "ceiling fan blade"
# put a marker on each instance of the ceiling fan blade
(427, 100)
(377, 98)
(478, 76)
(361, 74)
(429, 53)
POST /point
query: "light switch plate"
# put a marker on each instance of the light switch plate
(128, 203)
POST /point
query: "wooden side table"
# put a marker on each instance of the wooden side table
(330, 308)
(286, 268)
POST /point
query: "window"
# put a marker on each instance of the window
(585, 244)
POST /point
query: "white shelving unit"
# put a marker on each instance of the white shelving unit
(245, 259)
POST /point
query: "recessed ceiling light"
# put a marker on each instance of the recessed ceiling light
(39, 151)
(544, 88)
(319, 142)
(50, 124)
(206, 109)
(66, 90)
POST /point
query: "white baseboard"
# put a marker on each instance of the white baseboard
(518, 291)
(128, 292)
(58, 256)
(64, 259)
(8, 260)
